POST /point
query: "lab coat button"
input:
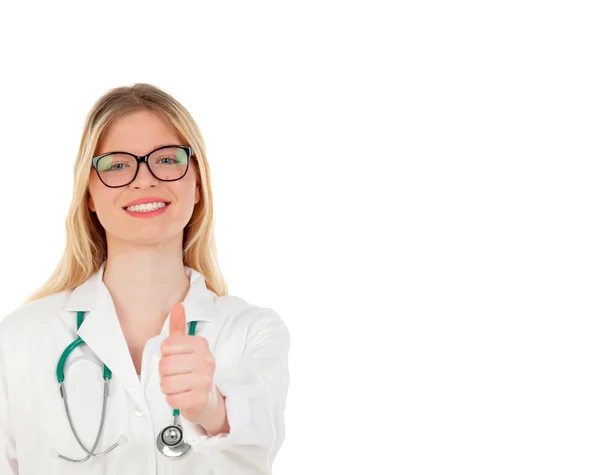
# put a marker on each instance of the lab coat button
(138, 413)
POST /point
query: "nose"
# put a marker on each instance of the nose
(144, 177)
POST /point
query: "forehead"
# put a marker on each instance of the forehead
(138, 132)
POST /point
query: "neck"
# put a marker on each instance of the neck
(144, 282)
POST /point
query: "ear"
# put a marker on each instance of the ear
(197, 192)
(91, 205)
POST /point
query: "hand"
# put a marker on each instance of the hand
(186, 369)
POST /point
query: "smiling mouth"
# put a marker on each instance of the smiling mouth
(147, 207)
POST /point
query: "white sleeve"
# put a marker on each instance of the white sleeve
(8, 456)
(255, 399)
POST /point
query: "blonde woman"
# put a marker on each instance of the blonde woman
(132, 358)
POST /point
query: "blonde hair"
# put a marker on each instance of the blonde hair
(85, 248)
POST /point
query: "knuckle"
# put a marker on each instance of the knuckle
(164, 345)
(162, 367)
(203, 341)
(209, 361)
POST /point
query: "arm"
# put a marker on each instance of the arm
(8, 456)
(254, 399)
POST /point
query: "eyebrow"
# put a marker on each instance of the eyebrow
(149, 151)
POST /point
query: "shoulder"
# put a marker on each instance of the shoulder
(236, 310)
(31, 316)
(257, 323)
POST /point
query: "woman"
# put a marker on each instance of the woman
(132, 358)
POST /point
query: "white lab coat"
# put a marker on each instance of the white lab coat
(250, 345)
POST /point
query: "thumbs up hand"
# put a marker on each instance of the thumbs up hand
(186, 371)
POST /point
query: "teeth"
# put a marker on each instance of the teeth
(145, 208)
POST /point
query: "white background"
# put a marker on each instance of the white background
(413, 186)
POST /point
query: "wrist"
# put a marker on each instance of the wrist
(214, 419)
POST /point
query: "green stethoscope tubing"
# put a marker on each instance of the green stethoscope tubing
(107, 374)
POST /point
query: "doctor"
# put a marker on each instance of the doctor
(132, 358)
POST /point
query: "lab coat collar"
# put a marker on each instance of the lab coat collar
(101, 329)
(198, 302)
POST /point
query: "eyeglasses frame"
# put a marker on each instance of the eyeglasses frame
(140, 159)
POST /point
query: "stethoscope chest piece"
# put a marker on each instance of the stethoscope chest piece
(170, 442)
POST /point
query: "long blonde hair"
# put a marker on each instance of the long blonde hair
(85, 248)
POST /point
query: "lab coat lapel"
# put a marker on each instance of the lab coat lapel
(102, 333)
(198, 302)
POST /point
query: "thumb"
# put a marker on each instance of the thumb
(177, 323)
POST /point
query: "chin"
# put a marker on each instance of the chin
(149, 237)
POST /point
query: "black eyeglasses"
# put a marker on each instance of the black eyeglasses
(167, 163)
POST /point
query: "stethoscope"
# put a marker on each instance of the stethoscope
(169, 442)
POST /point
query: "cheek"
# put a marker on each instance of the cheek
(187, 192)
(102, 199)
(186, 202)
(93, 193)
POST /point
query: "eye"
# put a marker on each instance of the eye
(167, 158)
(114, 167)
